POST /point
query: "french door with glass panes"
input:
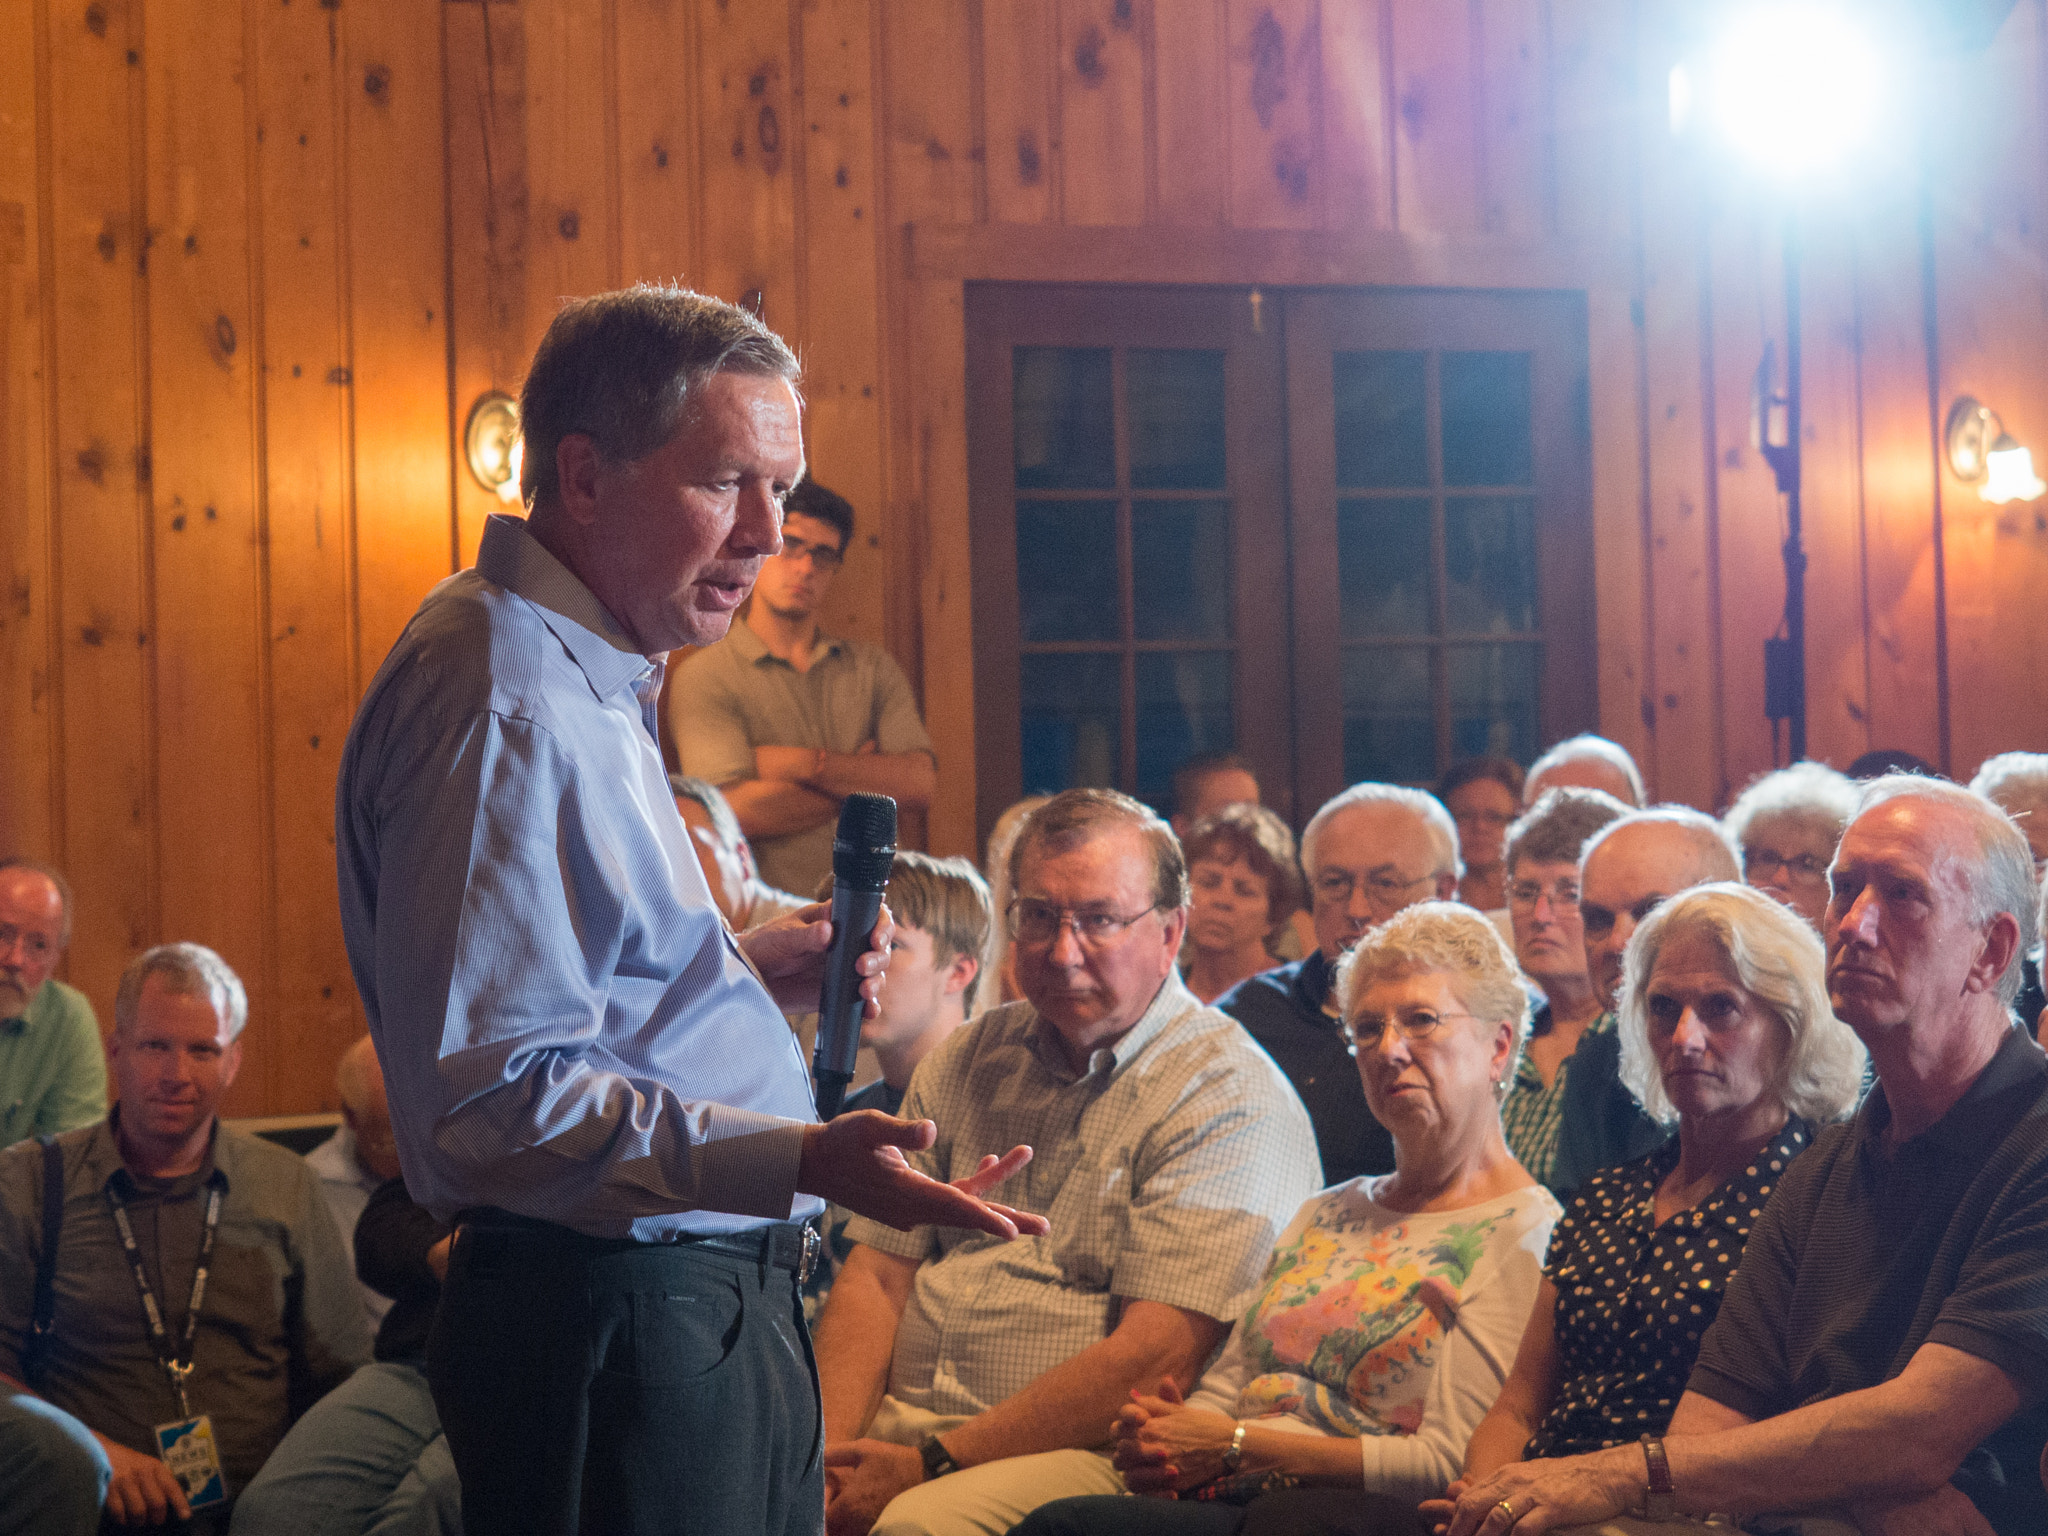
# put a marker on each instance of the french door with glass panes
(1343, 533)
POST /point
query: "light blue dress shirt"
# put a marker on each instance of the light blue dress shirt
(567, 1029)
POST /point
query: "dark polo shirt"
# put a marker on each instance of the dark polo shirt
(1863, 1255)
(1283, 1010)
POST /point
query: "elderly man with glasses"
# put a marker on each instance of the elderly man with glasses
(1368, 853)
(964, 1385)
(788, 720)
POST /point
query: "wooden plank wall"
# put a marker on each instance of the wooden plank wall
(257, 262)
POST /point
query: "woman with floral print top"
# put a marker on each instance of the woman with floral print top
(1389, 1312)
(1725, 1028)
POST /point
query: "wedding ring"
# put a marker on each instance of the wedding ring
(1507, 1507)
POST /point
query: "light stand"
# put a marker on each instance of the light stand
(1785, 655)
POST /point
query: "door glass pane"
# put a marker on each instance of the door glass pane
(1382, 431)
(1066, 571)
(1383, 567)
(1060, 412)
(1486, 419)
(1493, 700)
(1490, 564)
(1180, 570)
(1175, 399)
(1388, 730)
(1070, 710)
(1183, 709)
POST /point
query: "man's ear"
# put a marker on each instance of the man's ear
(578, 468)
(1999, 951)
(1447, 886)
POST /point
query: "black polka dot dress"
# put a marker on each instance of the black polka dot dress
(1634, 1299)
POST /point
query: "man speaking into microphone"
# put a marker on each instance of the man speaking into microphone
(586, 1069)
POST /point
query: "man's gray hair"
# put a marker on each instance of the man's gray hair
(724, 821)
(1443, 831)
(1812, 794)
(1445, 938)
(621, 367)
(1586, 744)
(189, 970)
(2015, 782)
(1715, 857)
(56, 878)
(1780, 961)
(1554, 830)
(2000, 879)
(1074, 816)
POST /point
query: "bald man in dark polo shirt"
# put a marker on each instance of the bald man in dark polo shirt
(1879, 1362)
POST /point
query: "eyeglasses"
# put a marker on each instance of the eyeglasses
(1762, 863)
(34, 944)
(1526, 893)
(1492, 820)
(823, 556)
(1368, 1029)
(1039, 923)
(1384, 891)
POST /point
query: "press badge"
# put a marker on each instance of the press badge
(188, 1449)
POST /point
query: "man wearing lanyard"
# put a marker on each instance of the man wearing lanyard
(586, 1069)
(200, 1295)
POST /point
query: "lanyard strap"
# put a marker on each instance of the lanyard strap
(177, 1366)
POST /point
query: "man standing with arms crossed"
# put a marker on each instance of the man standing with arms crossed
(585, 1068)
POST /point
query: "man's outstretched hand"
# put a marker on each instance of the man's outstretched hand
(857, 1161)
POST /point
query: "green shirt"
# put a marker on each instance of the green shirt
(53, 1069)
(1531, 1116)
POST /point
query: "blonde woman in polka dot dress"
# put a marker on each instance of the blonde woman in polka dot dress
(1726, 1029)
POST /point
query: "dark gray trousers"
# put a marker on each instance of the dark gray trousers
(589, 1385)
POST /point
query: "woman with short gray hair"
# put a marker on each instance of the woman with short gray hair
(1787, 824)
(1726, 1029)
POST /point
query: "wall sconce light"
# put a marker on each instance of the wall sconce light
(1980, 449)
(493, 445)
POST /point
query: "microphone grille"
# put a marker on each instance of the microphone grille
(865, 846)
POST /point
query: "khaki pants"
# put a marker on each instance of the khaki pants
(985, 1500)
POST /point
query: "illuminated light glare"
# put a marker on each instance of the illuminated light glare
(1793, 86)
(508, 488)
(2010, 473)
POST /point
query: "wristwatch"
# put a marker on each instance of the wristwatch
(1659, 1498)
(1233, 1458)
(938, 1461)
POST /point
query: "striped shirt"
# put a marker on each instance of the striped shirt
(1531, 1116)
(1166, 1168)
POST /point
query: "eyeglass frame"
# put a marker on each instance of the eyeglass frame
(822, 558)
(1556, 893)
(1402, 1027)
(1381, 890)
(1762, 863)
(1065, 917)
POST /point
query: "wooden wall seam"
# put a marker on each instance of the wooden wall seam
(57, 849)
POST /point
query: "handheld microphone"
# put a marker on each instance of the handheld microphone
(862, 851)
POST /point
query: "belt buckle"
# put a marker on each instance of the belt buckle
(813, 1244)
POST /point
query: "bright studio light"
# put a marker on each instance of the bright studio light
(1789, 86)
(2009, 473)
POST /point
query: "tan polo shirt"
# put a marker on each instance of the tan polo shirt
(734, 696)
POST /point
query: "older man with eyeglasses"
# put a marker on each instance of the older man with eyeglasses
(1368, 853)
(963, 1387)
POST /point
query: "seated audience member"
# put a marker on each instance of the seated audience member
(1384, 1324)
(53, 1473)
(370, 1457)
(279, 1322)
(1241, 870)
(2017, 783)
(941, 908)
(53, 1072)
(998, 984)
(1881, 1355)
(965, 1383)
(1369, 852)
(360, 1155)
(1542, 861)
(1586, 762)
(2041, 954)
(1786, 824)
(1584, 1119)
(1483, 794)
(1725, 1028)
(726, 857)
(1879, 761)
(1204, 785)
